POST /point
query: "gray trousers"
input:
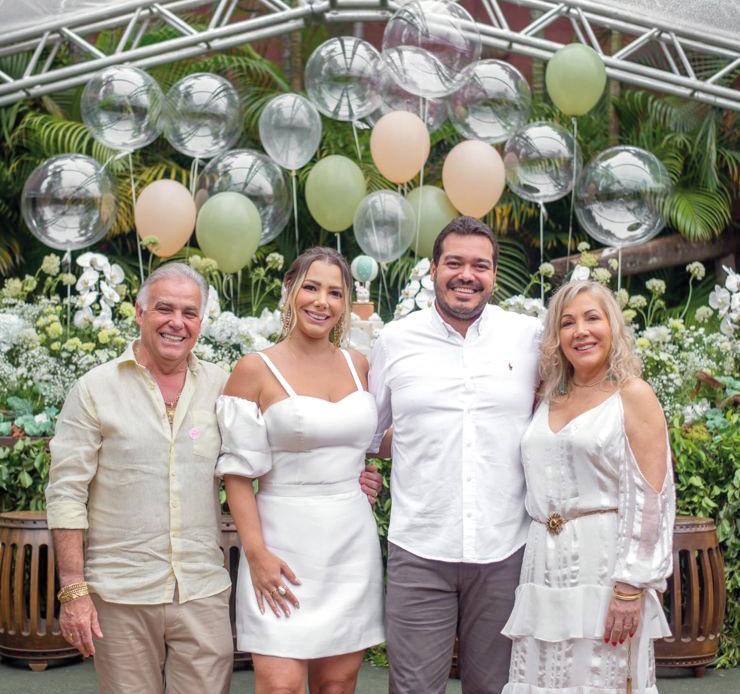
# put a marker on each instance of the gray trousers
(428, 602)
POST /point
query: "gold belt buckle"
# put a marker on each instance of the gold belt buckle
(555, 523)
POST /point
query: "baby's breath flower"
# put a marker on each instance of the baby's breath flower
(696, 270)
(642, 343)
(613, 264)
(13, 288)
(29, 283)
(54, 330)
(622, 297)
(72, 344)
(637, 301)
(126, 310)
(274, 261)
(629, 315)
(547, 270)
(68, 279)
(703, 314)
(583, 246)
(50, 265)
(55, 346)
(588, 260)
(602, 275)
(104, 336)
(87, 346)
(656, 286)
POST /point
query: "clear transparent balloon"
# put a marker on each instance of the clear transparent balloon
(394, 98)
(257, 177)
(202, 115)
(384, 225)
(621, 196)
(69, 202)
(541, 160)
(290, 130)
(122, 107)
(339, 78)
(430, 47)
(494, 103)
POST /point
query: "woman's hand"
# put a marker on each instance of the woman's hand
(267, 573)
(371, 483)
(623, 617)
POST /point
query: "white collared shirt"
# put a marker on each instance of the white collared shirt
(459, 407)
(143, 489)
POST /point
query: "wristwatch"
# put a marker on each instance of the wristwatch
(72, 592)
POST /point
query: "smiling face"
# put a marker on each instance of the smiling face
(464, 276)
(586, 336)
(170, 323)
(320, 300)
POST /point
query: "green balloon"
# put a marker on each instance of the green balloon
(434, 212)
(228, 230)
(334, 189)
(575, 79)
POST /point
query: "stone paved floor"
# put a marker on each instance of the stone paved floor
(80, 679)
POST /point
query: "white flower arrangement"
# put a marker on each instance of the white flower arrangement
(726, 301)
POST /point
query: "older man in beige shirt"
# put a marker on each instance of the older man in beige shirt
(132, 465)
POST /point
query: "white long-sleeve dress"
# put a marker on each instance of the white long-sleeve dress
(562, 601)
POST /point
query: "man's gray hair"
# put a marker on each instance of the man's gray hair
(174, 271)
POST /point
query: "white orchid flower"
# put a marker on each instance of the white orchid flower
(421, 268)
(110, 295)
(84, 259)
(83, 317)
(733, 280)
(727, 326)
(99, 262)
(719, 300)
(104, 321)
(580, 272)
(87, 299)
(87, 281)
(411, 289)
(424, 299)
(427, 283)
(114, 274)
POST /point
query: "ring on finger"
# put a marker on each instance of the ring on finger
(281, 590)
(274, 590)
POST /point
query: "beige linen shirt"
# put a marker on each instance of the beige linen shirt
(145, 491)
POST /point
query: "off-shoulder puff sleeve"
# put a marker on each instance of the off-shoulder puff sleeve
(245, 449)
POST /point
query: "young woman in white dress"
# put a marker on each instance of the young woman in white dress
(299, 418)
(600, 493)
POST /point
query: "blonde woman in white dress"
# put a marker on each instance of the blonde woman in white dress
(298, 417)
(600, 493)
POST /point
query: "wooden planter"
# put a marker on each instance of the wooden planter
(29, 610)
(695, 599)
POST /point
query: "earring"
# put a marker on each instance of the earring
(287, 319)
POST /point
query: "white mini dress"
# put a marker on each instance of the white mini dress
(308, 454)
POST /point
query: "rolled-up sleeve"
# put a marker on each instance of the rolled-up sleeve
(378, 387)
(74, 461)
(245, 449)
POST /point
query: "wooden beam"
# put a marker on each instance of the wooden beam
(666, 251)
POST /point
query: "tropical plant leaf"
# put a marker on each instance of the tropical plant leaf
(698, 214)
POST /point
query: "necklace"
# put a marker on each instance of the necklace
(170, 408)
(589, 385)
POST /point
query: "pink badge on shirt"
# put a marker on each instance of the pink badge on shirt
(194, 433)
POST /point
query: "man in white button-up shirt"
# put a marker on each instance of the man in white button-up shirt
(132, 467)
(457, 383)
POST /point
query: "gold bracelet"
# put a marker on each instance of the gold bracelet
(626, 597)
(72, 592)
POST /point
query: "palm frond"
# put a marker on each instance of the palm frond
(698, 214)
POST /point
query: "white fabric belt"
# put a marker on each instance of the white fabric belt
(318, 489)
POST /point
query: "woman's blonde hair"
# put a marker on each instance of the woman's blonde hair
(556, 373)
(294, 279)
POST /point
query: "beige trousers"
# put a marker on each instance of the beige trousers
(174, 648)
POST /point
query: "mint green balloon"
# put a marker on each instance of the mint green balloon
(575, 79)
(334, 188)
(228, 230)
(434, 212)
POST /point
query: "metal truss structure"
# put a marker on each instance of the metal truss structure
(657, 55)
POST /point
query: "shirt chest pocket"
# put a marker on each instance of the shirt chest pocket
(205, 434)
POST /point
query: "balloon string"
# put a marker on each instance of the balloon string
(339, 242)
(238, 288)
(383, 267)
(418, 211)
(133, 201)
(572, 193)
(619, 268)
(295, 209)
(542, 251)
(357, 141)
(67, 264)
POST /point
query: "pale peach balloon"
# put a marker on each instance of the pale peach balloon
(399, 145)
(165, 209)
(473, 177)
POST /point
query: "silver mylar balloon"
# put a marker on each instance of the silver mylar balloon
(384, 225)
(202, 115)
(540, 159)
(620, 196)
(394, 98)
(493, 104)
(431, 47)
(122, 107)
(290, 130)
(257, 177)
(69, 202)
(339, 78)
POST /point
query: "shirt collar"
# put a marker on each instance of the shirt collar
(475, 328)
(128, 356)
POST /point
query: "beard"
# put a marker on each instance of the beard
(464, 313)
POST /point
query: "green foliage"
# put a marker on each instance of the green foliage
(24, 473)
(707, 464)
(20, 413)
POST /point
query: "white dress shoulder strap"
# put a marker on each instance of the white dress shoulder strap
(277, 374)
(352, 369)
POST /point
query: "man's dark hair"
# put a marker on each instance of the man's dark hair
(464, 226)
